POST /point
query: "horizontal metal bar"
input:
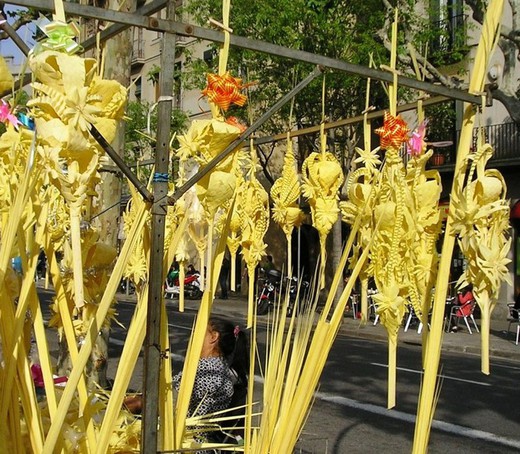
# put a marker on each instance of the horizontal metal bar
(146, 10)
(347, 121)
(182, 29)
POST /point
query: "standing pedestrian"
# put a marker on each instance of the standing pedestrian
(224, 277)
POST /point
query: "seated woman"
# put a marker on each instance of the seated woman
(221, 378)
(465, 295)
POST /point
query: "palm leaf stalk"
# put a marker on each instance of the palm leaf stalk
(196, 341)
(426, 408)
(93, 330)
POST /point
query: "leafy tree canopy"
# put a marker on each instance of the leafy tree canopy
(336, 28)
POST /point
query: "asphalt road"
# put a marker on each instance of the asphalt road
(475, 413)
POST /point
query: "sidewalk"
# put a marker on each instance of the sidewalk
(501, 345)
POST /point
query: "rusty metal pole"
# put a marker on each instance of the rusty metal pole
(152, 349)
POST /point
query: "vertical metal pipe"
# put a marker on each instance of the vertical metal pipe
(152, 349)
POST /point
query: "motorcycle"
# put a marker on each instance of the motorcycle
(126, 286)
(273, 286)
(192, 288)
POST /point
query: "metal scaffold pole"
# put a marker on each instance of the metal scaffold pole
(152, 345)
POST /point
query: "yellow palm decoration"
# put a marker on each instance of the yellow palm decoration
(70, 97)
(254, 221)
(481, 218)
(477, 79)
(234, 236)
(285, 193)
(322, 178)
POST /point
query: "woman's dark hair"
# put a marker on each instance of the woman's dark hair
(233, 345)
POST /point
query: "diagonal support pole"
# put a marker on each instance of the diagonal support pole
(141, 187)
(244, 136)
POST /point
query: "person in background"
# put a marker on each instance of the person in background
(267, 264)
(220, 382)
(221, 379)
(191, 270)
(464, 296)
(224, 276)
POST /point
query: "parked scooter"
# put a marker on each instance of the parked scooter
(192, 288)
(126, 286)
(268, 290)
(273, 287)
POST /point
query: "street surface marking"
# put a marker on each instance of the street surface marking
(404, 369)
(401, 416)
(503, 366)
(394, 414)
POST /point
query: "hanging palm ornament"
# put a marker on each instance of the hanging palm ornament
(286, 193)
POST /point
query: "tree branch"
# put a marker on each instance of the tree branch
(510, 102)
(23, 17)
(263, 158)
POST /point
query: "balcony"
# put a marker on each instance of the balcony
(138, 49)
(504, 138)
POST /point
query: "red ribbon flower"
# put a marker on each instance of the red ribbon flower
(394, 131)
(224, 91)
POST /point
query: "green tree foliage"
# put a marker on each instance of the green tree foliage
(335, 28)
(141, 127)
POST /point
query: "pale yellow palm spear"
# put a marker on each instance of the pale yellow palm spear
(285, 194)
(322, 178)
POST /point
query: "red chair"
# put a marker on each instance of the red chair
(465, 311)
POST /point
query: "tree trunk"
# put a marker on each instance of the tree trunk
(105, 211)
(118, 59)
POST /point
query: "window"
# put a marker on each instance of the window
(447, 32)
(138, 89)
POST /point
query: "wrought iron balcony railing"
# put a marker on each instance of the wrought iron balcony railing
(504, 138)
(138, 48)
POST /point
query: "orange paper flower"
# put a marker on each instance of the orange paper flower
(224, 91)
(234, 121)
(394, 131)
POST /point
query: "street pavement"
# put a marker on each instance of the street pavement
(501, 344)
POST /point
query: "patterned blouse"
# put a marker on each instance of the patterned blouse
(212, 390)
(213, 387)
